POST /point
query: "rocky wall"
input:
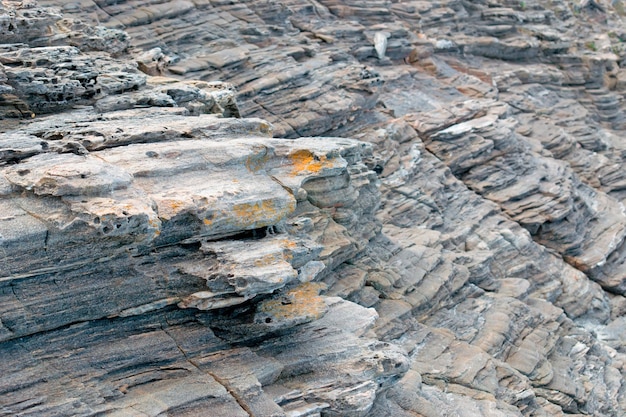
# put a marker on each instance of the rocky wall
(452, 246)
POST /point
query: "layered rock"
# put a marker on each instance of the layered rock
(251, 273)
(155, 247)
(151, 230)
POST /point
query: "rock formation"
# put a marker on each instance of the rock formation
(312, 208)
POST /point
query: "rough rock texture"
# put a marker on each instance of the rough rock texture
(161, 255)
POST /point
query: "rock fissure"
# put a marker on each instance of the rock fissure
(191, 362)
(240, 400)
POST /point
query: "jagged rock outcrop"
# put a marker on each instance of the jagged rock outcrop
(463, 256)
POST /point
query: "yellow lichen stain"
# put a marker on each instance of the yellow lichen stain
(269, 259)
(304, 160)
(128, 207)
(207, 222)
(169, 208)
(265, 128)
(265, 212)
(301, 301)
(282, 256)
(155, 224)
(289, 244)
(175, 205)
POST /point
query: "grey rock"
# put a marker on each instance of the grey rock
(160, 255)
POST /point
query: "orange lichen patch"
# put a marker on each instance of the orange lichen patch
(265, 128)
(269, 259)
(289, 244)
(154, 223)
(169, 208)
(301, 302)
(304, 160)
(128, 207)
(285, 255)
(266, 212)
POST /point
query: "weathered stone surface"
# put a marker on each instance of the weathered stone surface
(160, 255)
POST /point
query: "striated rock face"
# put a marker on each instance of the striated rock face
(161, 257)
(453, 246)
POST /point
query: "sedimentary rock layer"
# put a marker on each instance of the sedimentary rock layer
(454, 245)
